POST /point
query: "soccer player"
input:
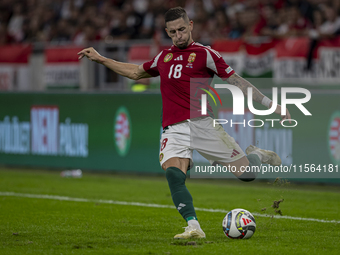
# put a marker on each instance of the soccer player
(185, 129)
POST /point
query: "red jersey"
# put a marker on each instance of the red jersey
(176, 67)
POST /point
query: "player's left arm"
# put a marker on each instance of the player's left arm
(132, 71)
(243, 84)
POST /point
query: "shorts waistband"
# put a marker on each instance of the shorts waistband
(187, 120)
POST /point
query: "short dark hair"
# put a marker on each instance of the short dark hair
(175, 13)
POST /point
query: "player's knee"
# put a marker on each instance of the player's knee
(164, 167)
(168, 164)
(174, 162)
(169, 173)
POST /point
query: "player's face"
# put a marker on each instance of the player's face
(179, 31)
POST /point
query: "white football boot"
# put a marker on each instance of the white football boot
(266, 157)
(191, 232)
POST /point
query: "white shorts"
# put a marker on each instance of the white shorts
(213, 143)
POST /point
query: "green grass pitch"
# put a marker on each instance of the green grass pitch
(51, 226)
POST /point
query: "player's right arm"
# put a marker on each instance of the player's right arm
(216, 63)
(132, 71)
(257, 96)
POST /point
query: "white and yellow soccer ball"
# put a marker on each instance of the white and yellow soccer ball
(239, 224)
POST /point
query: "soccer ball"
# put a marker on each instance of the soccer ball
(239, 224)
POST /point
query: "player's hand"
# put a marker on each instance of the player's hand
(283, 117)
(91, 54)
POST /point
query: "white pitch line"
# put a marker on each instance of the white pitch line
(74, 199)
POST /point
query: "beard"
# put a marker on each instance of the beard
(183, 45)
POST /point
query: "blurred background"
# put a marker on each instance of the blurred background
(37, 35)
(56, 111)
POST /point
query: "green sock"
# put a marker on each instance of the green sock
(179, 193)
(254, 160)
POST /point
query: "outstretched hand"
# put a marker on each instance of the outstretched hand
(91, 54)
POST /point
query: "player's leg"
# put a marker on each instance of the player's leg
(266, 156)
(175, 159)
(180, 163)
(217, 146)
(241, 164)
(255, 158)
(175, 171)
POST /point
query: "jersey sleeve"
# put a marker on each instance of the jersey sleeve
(216, 63)
(151, 67)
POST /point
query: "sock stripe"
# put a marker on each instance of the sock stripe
(191, 218)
